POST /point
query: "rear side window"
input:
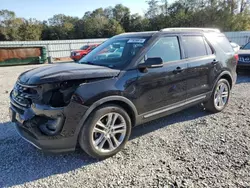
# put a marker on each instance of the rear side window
(194, 46)
(224, 44)
(166, 48)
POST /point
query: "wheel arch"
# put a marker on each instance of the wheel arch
(121, 101)
(228, 78)
(225, 75)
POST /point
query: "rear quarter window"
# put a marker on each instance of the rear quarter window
(224, 44)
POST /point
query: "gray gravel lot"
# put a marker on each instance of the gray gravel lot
(189, 149)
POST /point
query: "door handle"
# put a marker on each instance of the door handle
(177, 70)
(214, 62)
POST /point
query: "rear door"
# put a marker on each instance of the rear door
(201, 62)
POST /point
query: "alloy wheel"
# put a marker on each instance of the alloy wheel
(109, 132)
(221, 95)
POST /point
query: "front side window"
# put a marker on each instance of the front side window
(166, 48)
(194, 46)
(115, 53)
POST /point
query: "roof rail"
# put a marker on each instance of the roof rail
(142, 32)
(191, 29)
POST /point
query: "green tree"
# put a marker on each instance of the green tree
(153, 9)
(30, 30)
(137, 23)
(62, 26)
(122, 15)
(9, 25)
(97, 24)
(113, 28)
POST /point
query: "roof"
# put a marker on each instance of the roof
(191, 29)
(170, 31)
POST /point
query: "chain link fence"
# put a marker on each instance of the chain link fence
(241, 37)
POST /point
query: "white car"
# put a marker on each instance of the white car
(235, 46)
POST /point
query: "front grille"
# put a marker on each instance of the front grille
(23, 95)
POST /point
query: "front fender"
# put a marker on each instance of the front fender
(103, 101)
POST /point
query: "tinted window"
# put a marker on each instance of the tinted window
(224, 44)
(167, 48)
(194, 46)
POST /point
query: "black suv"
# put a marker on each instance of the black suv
(128, 80)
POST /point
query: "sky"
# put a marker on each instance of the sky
(44, 9)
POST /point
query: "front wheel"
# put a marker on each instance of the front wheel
(219, 98)
(105, 132)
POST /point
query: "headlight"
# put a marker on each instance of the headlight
(78, 54)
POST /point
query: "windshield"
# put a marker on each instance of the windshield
(84, 47)
(246, 47)
(115, 53)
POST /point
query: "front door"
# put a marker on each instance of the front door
(163, 86)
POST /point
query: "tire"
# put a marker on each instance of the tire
(88, 138)
(210, 105)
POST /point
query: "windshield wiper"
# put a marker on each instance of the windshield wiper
(90, 63)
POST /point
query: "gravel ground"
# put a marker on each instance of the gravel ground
(189, 149)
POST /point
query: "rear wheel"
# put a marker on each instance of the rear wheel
(105, 132)
(220, 97)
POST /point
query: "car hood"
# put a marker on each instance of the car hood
(240, 52)
(65, 72)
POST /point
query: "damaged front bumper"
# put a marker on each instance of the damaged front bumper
(48, 128)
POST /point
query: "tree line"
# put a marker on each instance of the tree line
(227, 15)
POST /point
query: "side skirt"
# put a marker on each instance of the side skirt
(167, 110)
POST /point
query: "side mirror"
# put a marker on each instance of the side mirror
(241, 47)
(154, 62)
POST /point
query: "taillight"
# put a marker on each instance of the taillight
(236, 57)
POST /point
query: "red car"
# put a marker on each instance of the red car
(78, 54)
